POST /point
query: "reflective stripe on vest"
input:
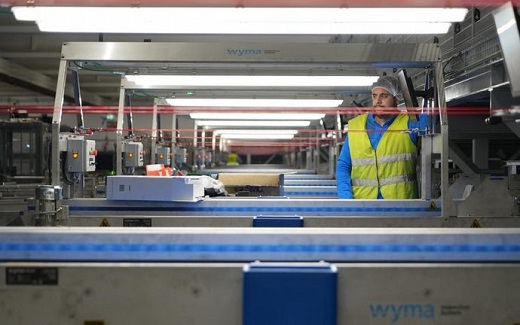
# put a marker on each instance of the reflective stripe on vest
(390, 168)
(384, 181)
(384, 159)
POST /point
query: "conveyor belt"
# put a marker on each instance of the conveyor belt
(148, 220)
(306, 177)
(309, 182)
(250, 244)
(313, 191)
(257, 206)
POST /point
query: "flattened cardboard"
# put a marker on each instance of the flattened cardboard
(252, 184)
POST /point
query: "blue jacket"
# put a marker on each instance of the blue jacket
(375, 132)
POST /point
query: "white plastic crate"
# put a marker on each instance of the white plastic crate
(154, 188)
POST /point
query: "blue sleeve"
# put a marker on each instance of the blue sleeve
(343, 172)
(421, 124)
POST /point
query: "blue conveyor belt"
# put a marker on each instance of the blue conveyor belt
(267, 244)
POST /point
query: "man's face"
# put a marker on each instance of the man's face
(383, 99)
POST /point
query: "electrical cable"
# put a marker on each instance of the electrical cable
(104, 69)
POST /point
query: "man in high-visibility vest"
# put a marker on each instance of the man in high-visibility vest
(379, 156)
(233, 159)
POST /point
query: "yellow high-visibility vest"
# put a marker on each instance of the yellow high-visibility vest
(232, 158)
(390, 168)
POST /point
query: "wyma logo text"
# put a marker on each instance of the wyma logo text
(240, 52)
(395, 313)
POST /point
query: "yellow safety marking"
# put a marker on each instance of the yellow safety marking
(104, 223)
(475, 224)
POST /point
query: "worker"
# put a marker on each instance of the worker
(379, 156)
(233, 159)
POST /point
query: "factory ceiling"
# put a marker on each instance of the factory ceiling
(29, 59)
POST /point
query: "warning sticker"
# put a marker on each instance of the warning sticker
(104, 223)
(31, 276)
(475, 224)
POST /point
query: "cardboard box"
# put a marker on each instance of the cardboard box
(153, 188)
(239, 184)
(158, 170)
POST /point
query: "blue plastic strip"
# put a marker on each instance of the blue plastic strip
(277, 221)
(309, 193)
(244, 248)
(279, 209)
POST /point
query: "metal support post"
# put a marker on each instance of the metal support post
(427, 147)
(77, 98)
(194, 163)
(213, 148)
(153, 145)
(173, 144)
(119, 132)
(317, 152)
(203, 148)
(448, 208)
(56, 122)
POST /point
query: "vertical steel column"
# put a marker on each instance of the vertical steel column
(160, 135)
(426, 167)
(335, 146)
(173, 144)
(427, 147)
(317, 152)
(130, 116)
(213, 148)
(119, 131)
(447, 204)
(77, 98)
(194, 144)
(222, 145)
(154, 132)
(203, 147)
(56, 122)
(332, 157)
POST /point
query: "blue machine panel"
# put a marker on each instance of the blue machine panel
(277, 221)
(282, 293)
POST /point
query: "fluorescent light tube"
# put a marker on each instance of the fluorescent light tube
(240, 102)
(252, 123)
(231, 14)
(259, 132)
(230, 20)
(257, 136)
(251, 81)
(252, 28)
(256, 116)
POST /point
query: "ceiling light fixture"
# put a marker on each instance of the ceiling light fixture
(251, 123)
(154, 81)
(256, 132)
(230, 20)
(246, 102)
(256, 116)
(272, 136)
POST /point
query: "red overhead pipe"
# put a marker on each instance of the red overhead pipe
(36, 109)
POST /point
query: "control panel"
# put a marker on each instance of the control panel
(133, 154)
(162, 156)
(81, 155)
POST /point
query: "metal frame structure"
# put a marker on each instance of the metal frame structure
(373, 55)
